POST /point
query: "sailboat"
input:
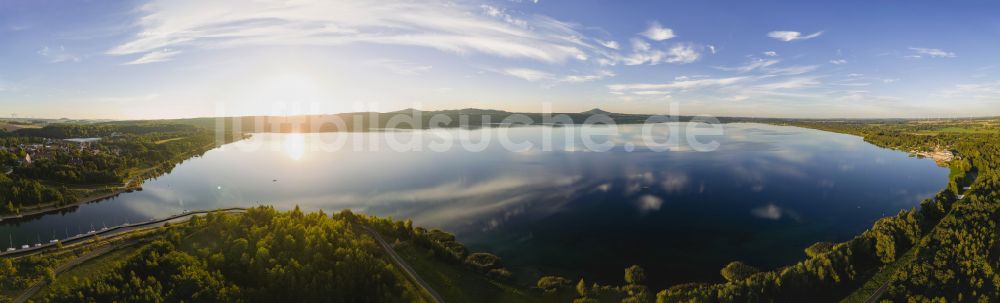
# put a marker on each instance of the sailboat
(11, 247)
(39, 243)
(54, 240)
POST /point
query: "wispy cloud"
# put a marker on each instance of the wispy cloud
(986, 91)
(930, 52)
(535, 75)
(682, 53)
(58, 54)
(791, 70)
(791, 35)
(400, 67)
(771, 53)
(657, 32)
(650, 92)
(587, 77)
(682, 85)
(752, 65)
(448, 27)
(501, 13)
(155, 56)
(529, 74)
(838, 61)
(792, 83)
(644, 53)
(128, 99)
(609, 44)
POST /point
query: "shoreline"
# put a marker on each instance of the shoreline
(82, 201)
(124, 188)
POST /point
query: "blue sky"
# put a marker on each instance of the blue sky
(164, 59)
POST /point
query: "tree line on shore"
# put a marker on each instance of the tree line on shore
(265, 255)
(955, 242)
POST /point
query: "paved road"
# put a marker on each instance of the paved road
(116, 231)
(402, 264)
(131, 227)
(28, 293)
(878, 293)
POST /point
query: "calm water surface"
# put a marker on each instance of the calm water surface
(765, 194)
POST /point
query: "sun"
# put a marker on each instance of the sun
(293, 87)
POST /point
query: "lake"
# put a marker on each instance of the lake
(762, 196)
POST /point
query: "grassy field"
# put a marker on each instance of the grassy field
(168, 140)
(956, 130)
(9, 127)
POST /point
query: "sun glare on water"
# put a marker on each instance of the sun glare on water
(295, 146)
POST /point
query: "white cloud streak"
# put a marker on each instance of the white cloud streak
(609, 44)
(529, 74)
(792, 83)
(788, 36)
(400, 67)
(681, 85)
(753, 65)
(58, 54)
(650, 92)
(931, 52)
(447, 27)
(155, 56)
(535, 75)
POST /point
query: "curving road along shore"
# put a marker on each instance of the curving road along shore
(116, 231)
(31, 291)
(396, 259)
(120, 230)
(402, 264)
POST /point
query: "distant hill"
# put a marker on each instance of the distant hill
(597, 111)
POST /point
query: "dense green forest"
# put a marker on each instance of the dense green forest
(265, 256)
(62, 172)
(260, 256)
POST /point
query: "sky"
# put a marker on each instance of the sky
(192, 58)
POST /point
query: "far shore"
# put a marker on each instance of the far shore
(46, 210)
